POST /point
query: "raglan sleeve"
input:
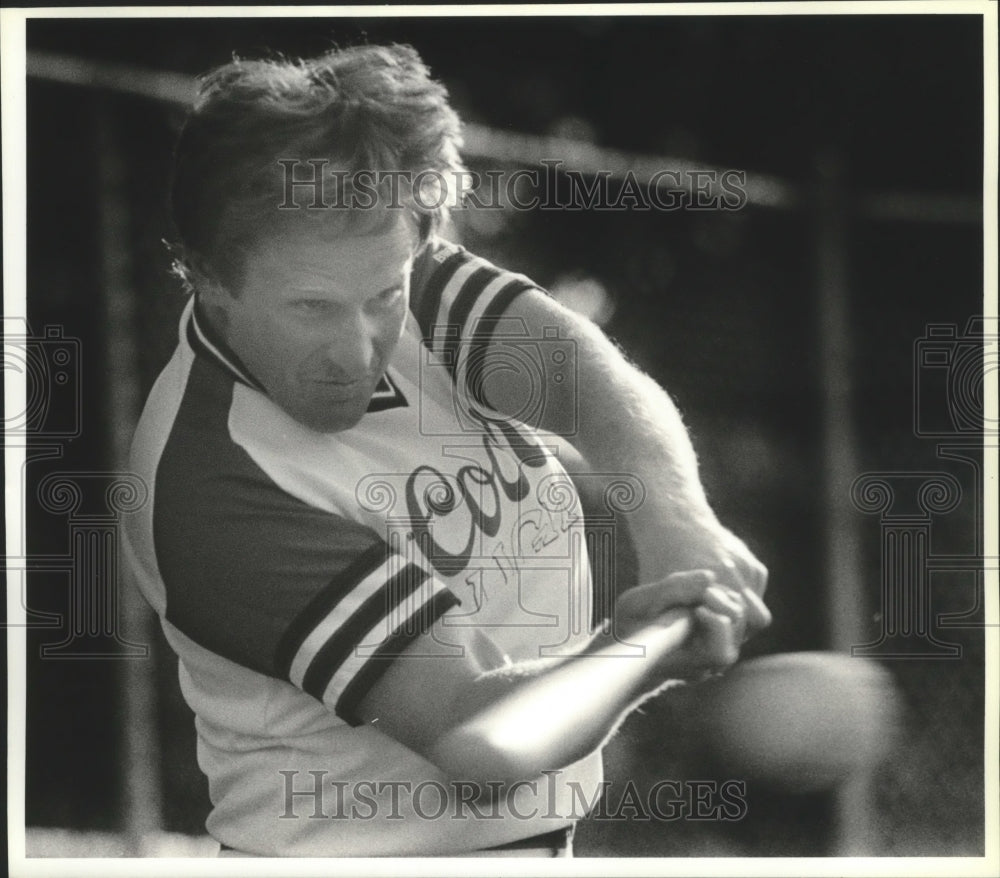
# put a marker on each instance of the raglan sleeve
(289, 590)
(460, 302)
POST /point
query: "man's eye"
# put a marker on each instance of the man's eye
(388, 297)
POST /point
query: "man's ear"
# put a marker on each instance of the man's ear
(214, 299)
(211, 293)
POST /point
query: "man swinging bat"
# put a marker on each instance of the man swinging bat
(353, 544)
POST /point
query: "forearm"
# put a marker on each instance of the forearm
(483, 719)
(518, 721)
(626, 423)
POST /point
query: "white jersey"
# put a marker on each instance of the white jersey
(289, 567)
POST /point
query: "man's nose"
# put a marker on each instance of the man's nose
(355, 350)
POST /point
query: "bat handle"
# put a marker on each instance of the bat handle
(666, 636)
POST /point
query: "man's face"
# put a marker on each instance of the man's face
(317, 321)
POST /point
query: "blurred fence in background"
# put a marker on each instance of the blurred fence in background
(787, 332)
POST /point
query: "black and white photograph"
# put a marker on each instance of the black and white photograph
(447, 438)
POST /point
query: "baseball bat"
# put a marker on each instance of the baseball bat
(561, 716)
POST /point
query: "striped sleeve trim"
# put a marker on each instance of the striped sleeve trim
(301, 637)
(381, 603)
(471, 370)
(467, 297)
(430, 296)
(370, 638)
(447, 327)
(460, 307)
(376, 608)
(371, 671)
(471, 289)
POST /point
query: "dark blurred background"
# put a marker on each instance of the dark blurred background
(784, 333)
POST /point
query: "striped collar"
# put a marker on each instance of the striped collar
(205, 341)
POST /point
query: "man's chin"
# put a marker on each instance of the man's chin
(330, 421)
(337, 424)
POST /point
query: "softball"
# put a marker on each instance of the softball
(803, 722)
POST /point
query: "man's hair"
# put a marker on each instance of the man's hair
(371, 109)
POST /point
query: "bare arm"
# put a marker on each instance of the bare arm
(478, 717)
(627, 423)
(482, 719)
